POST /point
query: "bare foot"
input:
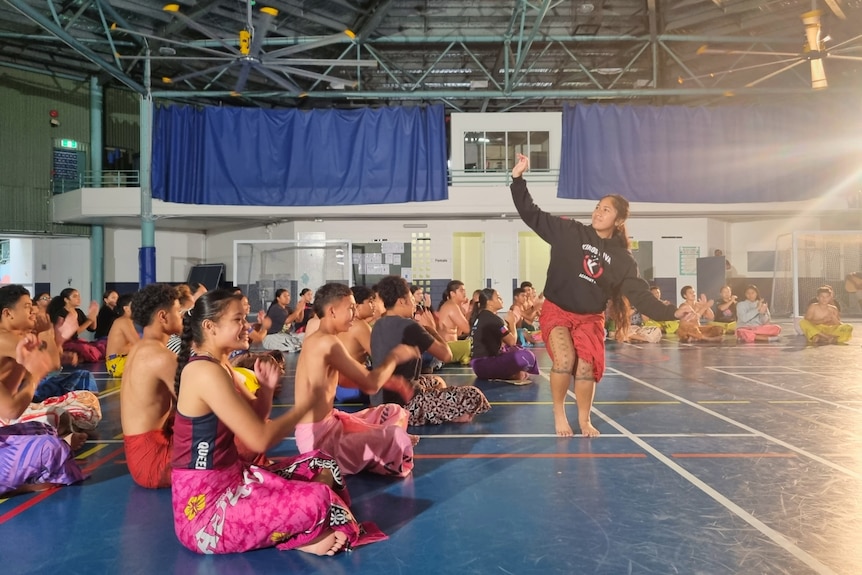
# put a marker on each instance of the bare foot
(327, 544)
(587, 429)
(561, 423)
(466, 418)
(414, 439)
(76, 440)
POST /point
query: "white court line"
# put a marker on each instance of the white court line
(741, 425)
(533, 435)
(554, 435)
(779, 388)
(839, 371)
(776, 537)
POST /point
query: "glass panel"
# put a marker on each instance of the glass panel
(539, 149)
(474, 151)
(495, 152)
(517, 145)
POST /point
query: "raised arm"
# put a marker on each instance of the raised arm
(548, 227)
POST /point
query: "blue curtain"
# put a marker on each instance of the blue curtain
(245, 156)
(731, 154)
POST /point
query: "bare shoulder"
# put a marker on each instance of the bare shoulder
(8, 343)
(151, 355)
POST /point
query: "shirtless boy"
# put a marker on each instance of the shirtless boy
(822, 322)
(147, 397)
(17, 385)
(451, 322)
(374, 439)
(121, 337)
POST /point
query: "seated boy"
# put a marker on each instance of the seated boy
(822, 322)
(373, 439)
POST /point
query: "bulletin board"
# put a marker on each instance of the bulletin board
(374, 261)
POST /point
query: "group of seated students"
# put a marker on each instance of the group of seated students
(749, 320)
(198, 418)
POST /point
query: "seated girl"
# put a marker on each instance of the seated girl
(752, 323)
(725, 310)
(222, 505)
(494, 353)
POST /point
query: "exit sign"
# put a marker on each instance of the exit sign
(69, 144)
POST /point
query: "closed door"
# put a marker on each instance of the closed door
(468, 259)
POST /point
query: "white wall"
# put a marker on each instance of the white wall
(19, 269)
(761, 236)
(501, 237)
(176, 253)
(63, 262)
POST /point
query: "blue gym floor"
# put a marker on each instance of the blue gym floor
(714, 459)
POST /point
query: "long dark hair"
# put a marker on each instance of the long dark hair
(209, 306)
(278, 292)
(620, 310)
(450, 287)
(485, 295)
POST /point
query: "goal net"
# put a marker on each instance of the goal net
(262, 266)
(804, 261)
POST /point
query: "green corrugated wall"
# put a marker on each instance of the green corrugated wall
(26, 142)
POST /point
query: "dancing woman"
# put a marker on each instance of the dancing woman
(590, 264)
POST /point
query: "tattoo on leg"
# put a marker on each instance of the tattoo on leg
(583, 378)
(561, 370)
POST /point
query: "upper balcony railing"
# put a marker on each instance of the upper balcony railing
(456, 178)
(103, 179)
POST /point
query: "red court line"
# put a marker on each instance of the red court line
(729, 455)
(530, 456)
(49, 492)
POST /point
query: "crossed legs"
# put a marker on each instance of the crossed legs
(565, 362)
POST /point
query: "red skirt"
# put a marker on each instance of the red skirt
(587, 331)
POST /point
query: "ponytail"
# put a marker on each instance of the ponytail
(209, 306)
(481, 304)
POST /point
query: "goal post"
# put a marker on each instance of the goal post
(260, 267)
(806, 260)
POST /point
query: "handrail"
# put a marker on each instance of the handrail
(132, 179)
(103, 179)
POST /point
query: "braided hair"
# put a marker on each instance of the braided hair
(209, 306)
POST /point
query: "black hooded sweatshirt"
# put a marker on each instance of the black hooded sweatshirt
(584, 268)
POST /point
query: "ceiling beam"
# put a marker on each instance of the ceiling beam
(73, 43)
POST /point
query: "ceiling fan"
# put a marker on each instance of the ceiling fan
(814, 51)
(245, 53)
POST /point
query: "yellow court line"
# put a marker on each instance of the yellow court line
(792, 401)
(725, 401)
(91, 451)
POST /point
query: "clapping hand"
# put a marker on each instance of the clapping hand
(522, 165)
(65, 328)
(267, 372)
(30, 353)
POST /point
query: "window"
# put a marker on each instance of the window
(4, 251)
(496, 151)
